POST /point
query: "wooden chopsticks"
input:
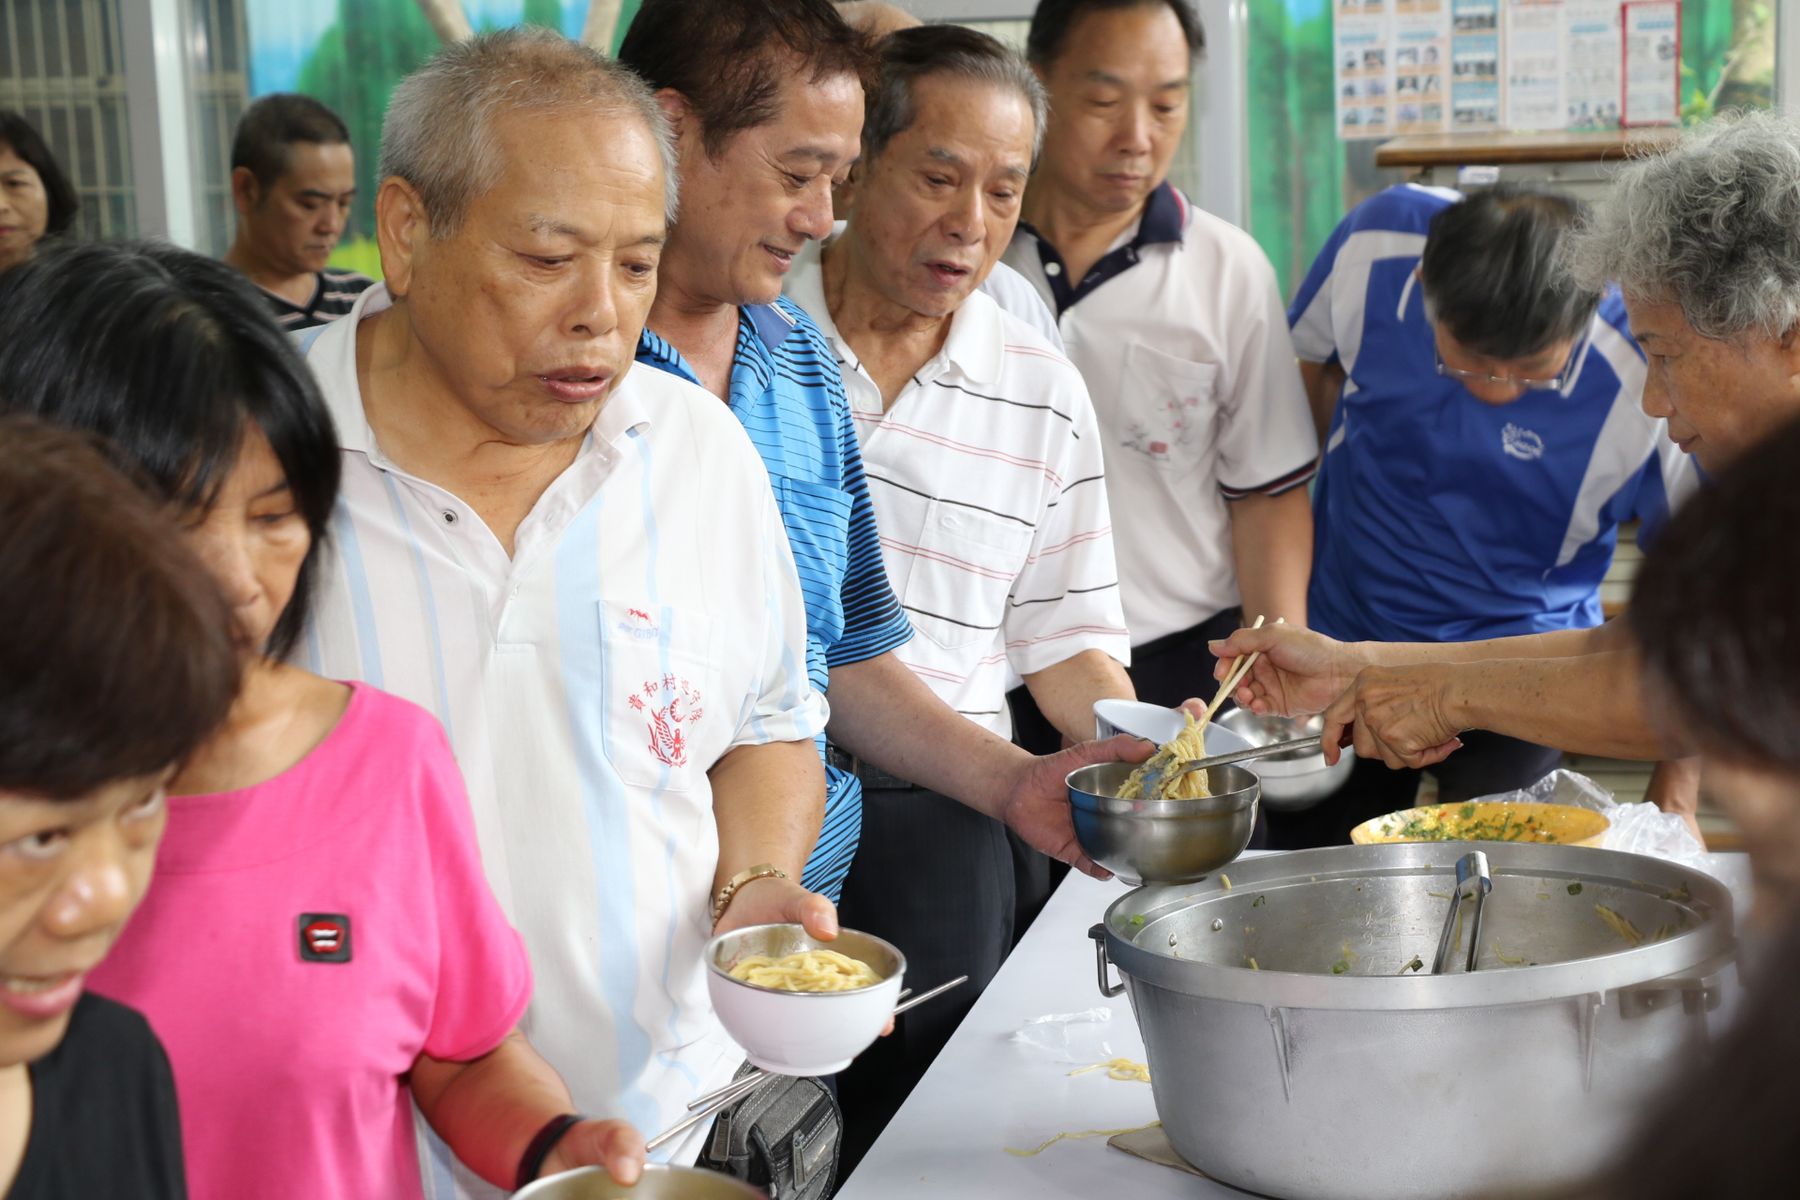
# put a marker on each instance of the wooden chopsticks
(1235, 676)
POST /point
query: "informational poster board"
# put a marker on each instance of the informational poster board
(1652, 62)
(1434, 66)
(1421, 41)
(1592, 91)
(1364, 45)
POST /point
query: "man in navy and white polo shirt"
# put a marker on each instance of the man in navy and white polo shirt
(1175, 319)
(756, 189)
(1484, 441)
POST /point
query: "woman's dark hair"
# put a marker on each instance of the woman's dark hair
(1495, 274)
(172, 358)
(1052, 20)
(1725, 1126)
(16, 132)
(1716, 610)
(116, 651)
(728, 57)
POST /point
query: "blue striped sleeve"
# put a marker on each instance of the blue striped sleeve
(874, 622)
(873, 619)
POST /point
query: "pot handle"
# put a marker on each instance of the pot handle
(1698, 989)
(1102, 963)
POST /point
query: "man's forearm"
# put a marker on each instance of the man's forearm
(1591, 704)
(1272, 547)
(1564, 643)
(1324, 383)
(768, 803)
(1065, 692)
(883, 713)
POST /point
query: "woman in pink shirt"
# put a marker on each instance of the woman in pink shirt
(319, 948)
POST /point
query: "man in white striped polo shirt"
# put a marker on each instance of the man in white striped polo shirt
(983, 460)
(575, 563)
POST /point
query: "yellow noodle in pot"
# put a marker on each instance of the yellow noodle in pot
(1185, 747)
(807, 971)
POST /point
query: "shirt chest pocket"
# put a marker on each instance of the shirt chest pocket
(962, 573)
(1170, 407)
(817, 518)
(663, 719)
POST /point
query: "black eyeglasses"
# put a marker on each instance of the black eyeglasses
(1555, 383)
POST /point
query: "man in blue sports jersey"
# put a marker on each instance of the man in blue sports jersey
(1716, 306)
(766, 99)
(1483, 435)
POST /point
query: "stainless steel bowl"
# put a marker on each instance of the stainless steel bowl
(658, 1183)
(1162, 841)
(1296, 780)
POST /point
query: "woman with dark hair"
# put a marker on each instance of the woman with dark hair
(321, 948)
(1716, 610)
(99, 704)
(36, 199)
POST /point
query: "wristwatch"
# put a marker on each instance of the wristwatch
(760, 871)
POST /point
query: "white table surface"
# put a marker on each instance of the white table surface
(987, 1092)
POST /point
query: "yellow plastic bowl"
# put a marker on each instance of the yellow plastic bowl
(1487, 821)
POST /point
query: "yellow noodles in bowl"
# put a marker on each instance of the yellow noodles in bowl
(807, 971)
(1187, 746)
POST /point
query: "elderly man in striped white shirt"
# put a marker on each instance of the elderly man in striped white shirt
(983, 459)
(575, 563)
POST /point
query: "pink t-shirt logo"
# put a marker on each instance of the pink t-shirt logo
(668, 704)
(324, 937)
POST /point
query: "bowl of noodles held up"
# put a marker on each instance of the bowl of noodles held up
(1151, 839)
(800, 1006)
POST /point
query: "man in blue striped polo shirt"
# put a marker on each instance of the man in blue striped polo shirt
(1483, 440)
(761, 144)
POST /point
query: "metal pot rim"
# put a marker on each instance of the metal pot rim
(1629, 966)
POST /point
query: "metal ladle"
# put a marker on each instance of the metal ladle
(1473, 884)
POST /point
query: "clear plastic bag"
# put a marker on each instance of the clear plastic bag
(1078, 1039)
(1636, 828)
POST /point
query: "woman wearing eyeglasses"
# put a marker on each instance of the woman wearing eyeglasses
(1483, 441)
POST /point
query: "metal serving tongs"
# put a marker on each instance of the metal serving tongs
(716, 1102)
(1472, 885)
(1235, 756)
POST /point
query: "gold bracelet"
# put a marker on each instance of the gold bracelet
(760, 871)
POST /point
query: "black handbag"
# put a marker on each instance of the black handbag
(784, 1137)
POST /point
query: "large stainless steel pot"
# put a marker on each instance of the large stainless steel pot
(1331, 1069)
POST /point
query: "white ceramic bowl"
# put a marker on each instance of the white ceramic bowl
(1159, 724)
(801, 1033)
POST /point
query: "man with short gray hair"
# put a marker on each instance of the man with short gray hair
(984, 466)
(552, 551)
(1485, 442)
